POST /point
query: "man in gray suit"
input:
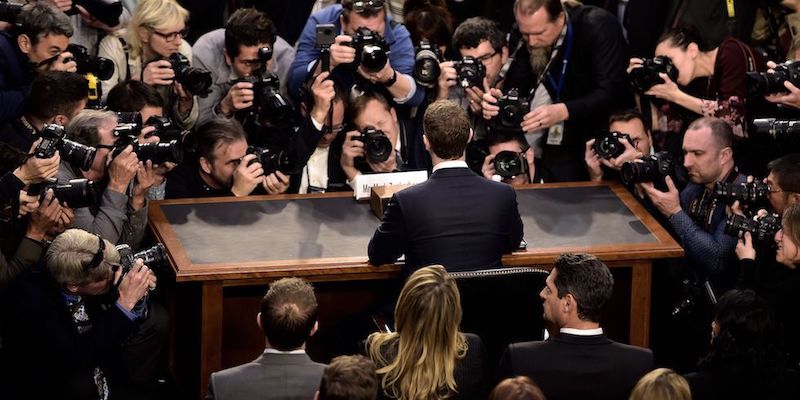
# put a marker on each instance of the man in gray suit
(284, 371)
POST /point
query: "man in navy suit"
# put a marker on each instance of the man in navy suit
(456, 218)
(578, 361)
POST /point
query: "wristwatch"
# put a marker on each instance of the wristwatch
(391, 80)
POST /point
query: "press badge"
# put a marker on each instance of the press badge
(555, 134)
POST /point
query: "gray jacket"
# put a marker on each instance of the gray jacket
(209, 52)
(270, 376)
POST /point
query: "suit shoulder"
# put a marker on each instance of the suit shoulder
(634, 352)
(235, 371)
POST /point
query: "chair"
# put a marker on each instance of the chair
(502, 306)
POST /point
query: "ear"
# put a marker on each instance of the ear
(314, 329)
(726, 154)
(568, 304)
(258, 321)
(471, 135)
(693, 49)
(426, 143)
(794, 198)
(205, 165)
(61, 119)
(144, 35)
(24, 43)
(504, 53)
(228, 59)
(72, 288)
(316, 395)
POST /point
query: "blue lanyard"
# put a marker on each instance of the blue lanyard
(564, 61)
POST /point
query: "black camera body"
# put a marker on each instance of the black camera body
(745, 192)
(105, 11)
(197, 81)
(652, 168)
(272, 161)
(607, 144)
(100, 67)
(157, 152)
(153, 257)
(165, 128)
(268, 103)
(509, 164)
(74, 153)
(762, 229)
(470, 72)
(372, 52)
(765, 83)
(77, 193)
(426, 64)
(512, 109)
(642, 79)
(377, 145)
(10, 11)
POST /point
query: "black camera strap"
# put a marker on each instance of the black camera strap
(126, 50)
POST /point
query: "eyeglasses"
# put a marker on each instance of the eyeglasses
(97, 259)
(172, 35)
(486, 57)
(360, 6)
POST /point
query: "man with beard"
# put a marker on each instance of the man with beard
(573, 58)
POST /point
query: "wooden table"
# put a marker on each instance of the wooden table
(577, 225)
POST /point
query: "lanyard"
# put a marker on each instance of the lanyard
(567, 51)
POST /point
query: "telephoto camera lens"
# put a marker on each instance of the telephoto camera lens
(273, 161)
(642, 79)
(160, 152)
(650, 168)
(745, 192)
(197, 81)
(765, 83)
(377, 145)
(373, 58)
(783, 131)
(426, 64)
(509, 164)
(607, 144)
(166, 130)
(77, 193)
(86, 63)
(105, 11)
(761, 230)
(77, 154)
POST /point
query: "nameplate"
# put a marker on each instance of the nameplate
(365, 182)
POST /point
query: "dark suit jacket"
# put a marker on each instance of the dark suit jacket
(270, 376)
(578, 367)
(456, 218)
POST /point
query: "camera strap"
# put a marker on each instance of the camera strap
(126, 49)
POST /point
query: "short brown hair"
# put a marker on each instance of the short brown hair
(517, 388)
(359, 103)
(349, 378)
(720, 130)
(528, 7)
(447, 127)
(215, 132)
(288, 313)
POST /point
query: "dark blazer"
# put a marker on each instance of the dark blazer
(15, 78)
(456, 218)
(578, 367)
(270, 376)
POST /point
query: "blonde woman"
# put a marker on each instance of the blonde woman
(661, 384)
(140, 51)
(427, 357)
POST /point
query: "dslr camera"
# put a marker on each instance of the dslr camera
(273, 161)
(372, 52)
(470, 72)
(269, 105)
(197, 81)
(762, 229)
(74, 153)
(745, 192)
(426, 64)
(377, 145)
(77, 193)
(509, 164)
(765, 83)
(152, 257)
(158, 153)
(100, 67)
(650, 168)
(781, 130)
(512, 109)
(106, 11)
(10, 11)
(607, 144)
(642, 79)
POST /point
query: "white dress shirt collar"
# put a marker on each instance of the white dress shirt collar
(582, 332)
(450, 164)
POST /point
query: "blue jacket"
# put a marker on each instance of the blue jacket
(15, 82)
(395, 35)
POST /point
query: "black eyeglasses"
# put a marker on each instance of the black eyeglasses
(172, 35)
(97, 259)
(486, 57)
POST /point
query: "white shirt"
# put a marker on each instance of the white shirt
(315, 173)
(450, 164)
(582, 332)
(273, 351)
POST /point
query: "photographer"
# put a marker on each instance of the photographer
(121, 215)
(573, 59)
(232, 53)
(370, 109)
(784, 182)
(696, 216)
(630, 123)
(223, 166)
(35, 44)
(509, 142)
(143, 51)
(393, 79)
(72, 322)
(55, 98)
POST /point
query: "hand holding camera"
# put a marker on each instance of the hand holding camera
(351, 149)
(543, 117)
(122, 169)
(667, 202)
(341, 52)
(145, 179)
(37, 169)
(135, 284)
(46, 218)
(592, 160)
(158, 72)
(489, 103)
(323, 90)
(239, 97)
(276, 183)
(247, 176)
(63, 62)
(447, 79)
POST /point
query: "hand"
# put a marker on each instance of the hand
(489, 103)
(135, 284)
(60, 63)
(246, 177)
(341, 53)
(45, 218)
(634, 63)
(122, 169)
(38, 169)
(28, 203)
(276, 183)
(162, 170)
(668, 90)
(185, 99)
(323, 91)
(351, 149)
(791, 99)
(668, 203)
(239, 97)
(64, 221)
(475, 96)
(628, 155)
(487, 169)
(447, 79)
(744, 247)
(158, 72)
(543, 117)
(63, 5)
(593, 162)
(145, 179)
(380, 77)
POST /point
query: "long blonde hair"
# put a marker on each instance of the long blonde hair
(427, 343)
(661, 384)
(152, 14)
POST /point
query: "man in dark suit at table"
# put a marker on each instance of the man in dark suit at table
(456, 218)
(578, 361)
(288, 318)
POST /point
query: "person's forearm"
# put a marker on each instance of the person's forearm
(401, 89)
(689, 102)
